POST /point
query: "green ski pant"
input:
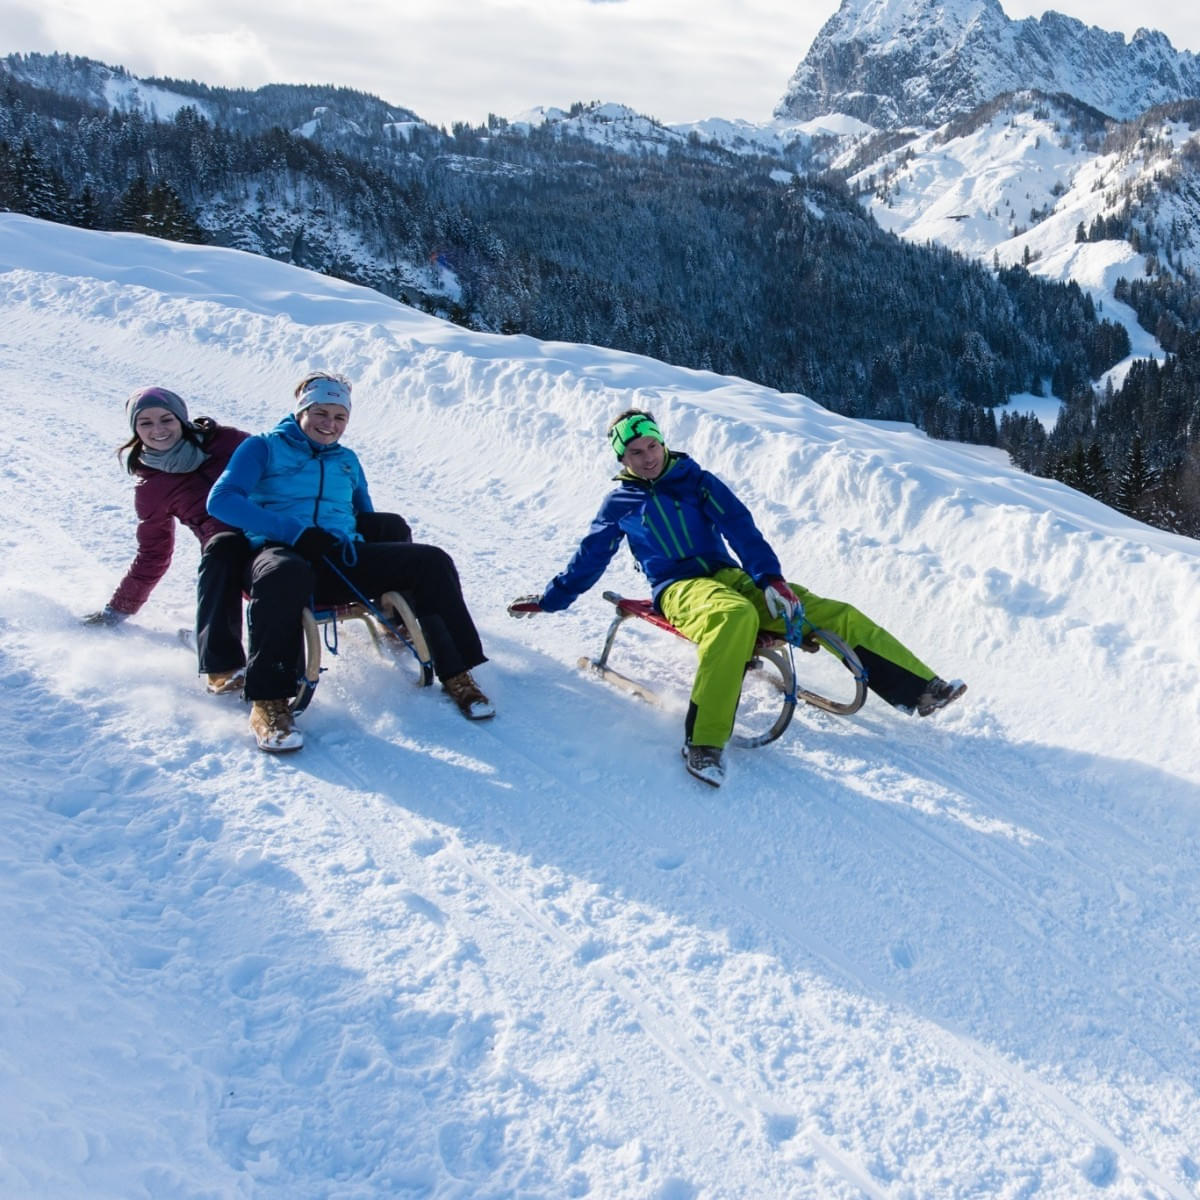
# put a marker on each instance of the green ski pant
(722, 613)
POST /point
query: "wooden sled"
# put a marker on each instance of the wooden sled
(321, 631)
(770, 689)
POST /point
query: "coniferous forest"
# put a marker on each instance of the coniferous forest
(687, 253)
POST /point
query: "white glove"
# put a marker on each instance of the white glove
(525, 606)
(782, 601)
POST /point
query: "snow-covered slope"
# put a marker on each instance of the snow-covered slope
(100, 85)
(1019, 182)
(891, 957)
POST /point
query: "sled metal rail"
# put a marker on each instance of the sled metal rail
(769, 648)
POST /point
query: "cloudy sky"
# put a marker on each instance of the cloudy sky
(454, 60)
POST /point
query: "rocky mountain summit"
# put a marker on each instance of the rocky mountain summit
(898, 63)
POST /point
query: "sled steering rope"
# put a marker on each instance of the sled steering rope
(770, 687)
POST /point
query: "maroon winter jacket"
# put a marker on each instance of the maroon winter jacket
(160, 498)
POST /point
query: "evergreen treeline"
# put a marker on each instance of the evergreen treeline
(1168, 305)
(1136, 448)
(687, 253)
(692, 256)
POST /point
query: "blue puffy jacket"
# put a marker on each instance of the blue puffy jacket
(677, 525)
(279, 483)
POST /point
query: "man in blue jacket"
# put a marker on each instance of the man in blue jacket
(301, 498)
(715, 578)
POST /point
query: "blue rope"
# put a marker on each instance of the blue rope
(793, 634)
(376, 612)
(794, 627)
(331, 624)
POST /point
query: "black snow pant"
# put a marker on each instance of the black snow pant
(281, 582)
(219, 603)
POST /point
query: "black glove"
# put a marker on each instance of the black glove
(314, 543)
(383, 527)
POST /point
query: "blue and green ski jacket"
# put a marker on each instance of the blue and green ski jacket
(681, 525)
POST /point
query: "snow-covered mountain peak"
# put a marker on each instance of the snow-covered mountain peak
(894, 63)
(879, 21)
(606, 123)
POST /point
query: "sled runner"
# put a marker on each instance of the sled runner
(770, 688)
(391, 622)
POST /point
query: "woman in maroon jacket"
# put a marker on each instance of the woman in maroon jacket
(176, 461)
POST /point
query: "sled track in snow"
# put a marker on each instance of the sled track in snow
(666, 1016)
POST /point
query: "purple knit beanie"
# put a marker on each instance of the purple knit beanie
(154, 397)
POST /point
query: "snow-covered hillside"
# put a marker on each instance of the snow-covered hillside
(424, 958)
(1017, 186)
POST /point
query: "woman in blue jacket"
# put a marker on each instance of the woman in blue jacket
(301, 498)
(715, 578)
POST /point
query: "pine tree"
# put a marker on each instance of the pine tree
(85, 210)
(168, 217)
(1096, 473)
(1072, 469)
(8, 179)
(133, 208)
(1135, 481)
(28, 186)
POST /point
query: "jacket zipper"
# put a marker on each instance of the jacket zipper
(320, 489)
